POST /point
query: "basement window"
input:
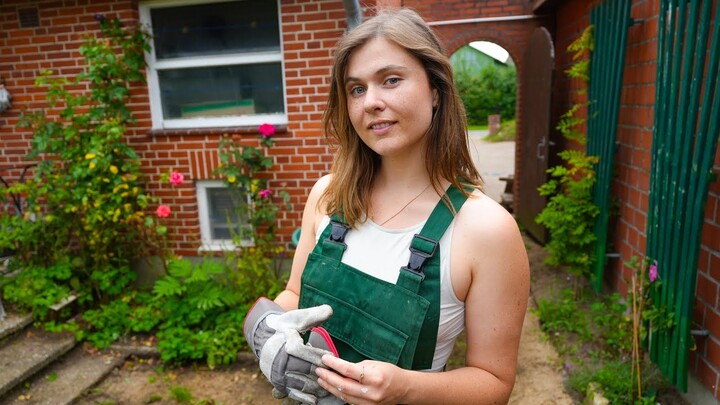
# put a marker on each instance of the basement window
(222, 217)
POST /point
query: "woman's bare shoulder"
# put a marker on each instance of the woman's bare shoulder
(315, 205)
(317, 191)
(487, 237)
(483, 219)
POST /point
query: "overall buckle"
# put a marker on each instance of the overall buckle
(418, 257)
(338, 232)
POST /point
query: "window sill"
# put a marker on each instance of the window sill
(222, 246)
(219, 131)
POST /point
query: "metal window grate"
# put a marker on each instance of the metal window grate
(28, 17)
(611, 20)
(685, 140)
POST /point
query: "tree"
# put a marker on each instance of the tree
(492, 91)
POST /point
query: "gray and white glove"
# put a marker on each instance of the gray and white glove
(285, 360)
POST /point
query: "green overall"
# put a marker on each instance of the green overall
(374, 319)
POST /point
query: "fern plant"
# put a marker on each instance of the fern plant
(194, 299)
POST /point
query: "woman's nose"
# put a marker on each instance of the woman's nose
(373, 100)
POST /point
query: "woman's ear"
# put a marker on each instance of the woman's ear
(436, 98)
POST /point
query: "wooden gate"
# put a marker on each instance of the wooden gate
(536, 79)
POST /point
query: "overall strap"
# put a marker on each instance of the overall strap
(333, 238)
(425, 244)
(422, 274)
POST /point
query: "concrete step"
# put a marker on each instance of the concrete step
(13, 323)
(27, 353)
(67, 378)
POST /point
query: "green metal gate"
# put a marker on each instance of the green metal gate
(611, 20)
(685, 138)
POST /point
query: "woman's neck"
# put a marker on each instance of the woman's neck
(402, 174)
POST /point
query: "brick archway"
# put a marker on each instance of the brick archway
(513, 36)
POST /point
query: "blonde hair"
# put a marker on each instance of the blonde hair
(355, 165)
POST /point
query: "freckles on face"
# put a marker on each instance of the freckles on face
(388, 95)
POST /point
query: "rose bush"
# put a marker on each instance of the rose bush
(87, 193)
(243, 168)
(90, 217)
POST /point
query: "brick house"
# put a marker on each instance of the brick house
(278, 72)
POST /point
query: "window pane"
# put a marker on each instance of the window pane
(222, 91)
(222, 204)
(212, 29)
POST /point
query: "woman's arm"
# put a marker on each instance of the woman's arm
(312, 214)
(489, 253)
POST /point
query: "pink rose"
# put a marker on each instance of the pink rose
(653, 273)
(266, 130)
(176, 178)
(265, 193)
(163, 211)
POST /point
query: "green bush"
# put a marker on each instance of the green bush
(614, 378)
(195, 312)
(570, 214)
(90, 221)
(202, 309)
(561, 315)
(492, 91)
(38, 288)
(86, 198)
(595, 334)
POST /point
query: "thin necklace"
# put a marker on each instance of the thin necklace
(405, 206)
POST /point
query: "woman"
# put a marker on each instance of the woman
(399, 300)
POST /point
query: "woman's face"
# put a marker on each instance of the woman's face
(390, 101)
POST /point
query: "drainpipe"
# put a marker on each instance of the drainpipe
(353, 13)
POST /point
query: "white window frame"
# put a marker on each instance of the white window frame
(207, 242)
(153, 65)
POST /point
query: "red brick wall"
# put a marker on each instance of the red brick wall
(24, 52)
(633, 160)
(310, 30)
(635, 137)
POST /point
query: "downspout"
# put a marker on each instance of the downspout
(353, 13)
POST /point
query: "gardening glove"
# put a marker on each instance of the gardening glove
(328, 400)
(285, 360)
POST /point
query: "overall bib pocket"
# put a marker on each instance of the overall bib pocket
(371, 318)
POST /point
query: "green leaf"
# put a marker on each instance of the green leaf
(168, 286)
(180, 268)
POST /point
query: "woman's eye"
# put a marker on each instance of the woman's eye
(356, 91)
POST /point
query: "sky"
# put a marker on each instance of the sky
(492, 49)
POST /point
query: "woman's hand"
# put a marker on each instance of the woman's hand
(366, 382)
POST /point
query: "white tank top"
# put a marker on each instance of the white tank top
(381, 252)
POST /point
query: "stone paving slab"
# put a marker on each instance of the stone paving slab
(66, 379)
(494, 160)
(28, 352)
